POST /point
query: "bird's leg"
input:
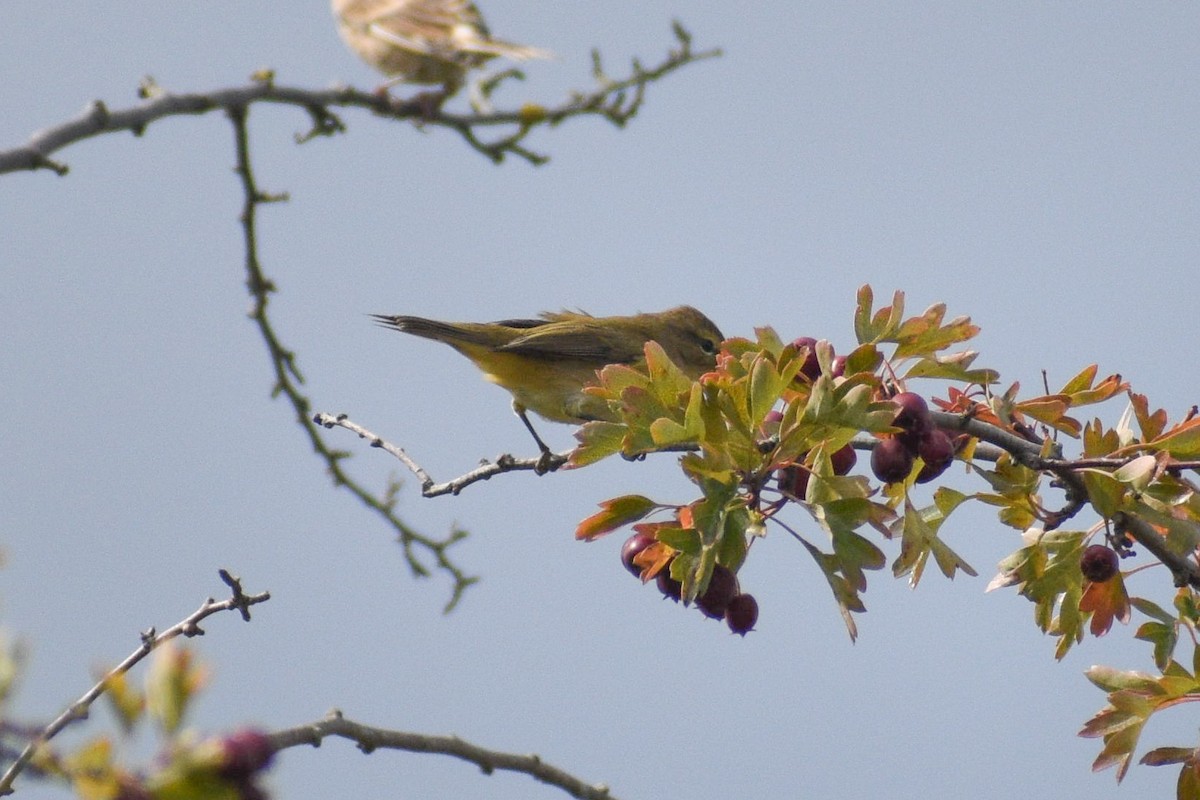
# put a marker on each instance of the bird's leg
(548, 460)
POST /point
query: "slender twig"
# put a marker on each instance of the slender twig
(189, 626)
(370, 739)
(429, 487)
(288, 379)
(1029, 454)
(607, 101)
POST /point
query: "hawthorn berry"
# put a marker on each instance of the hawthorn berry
(742, 614)
(1099, 563)
(722, 588)
(667, 585)
(245, 752)
(936, 449)
(633, 546)
(794, 480)
(912, 417)
(843, 460)
(891, 460)
(811, 368)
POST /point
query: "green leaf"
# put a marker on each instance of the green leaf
(843, 592)
(1111, 679)
(765, 387)
(919, 541)
(925, 334)
(1182, 441)
(597, 440)
(1106, 494)
(952, 368)
(864, 358)
(171, 682)
(731, 551)
(1137, 473)
(1152, 610)
(685, 540)
(881, 326)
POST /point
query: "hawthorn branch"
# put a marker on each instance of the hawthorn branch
(288, 380)
(1184, 569)
(369, 739)
(189, 626)
(616, 101)
(1029, 454)
(429, 487)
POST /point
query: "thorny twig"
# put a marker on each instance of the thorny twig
(189, 626)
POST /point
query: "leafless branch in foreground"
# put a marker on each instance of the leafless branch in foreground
(189, 626)
(370, 739)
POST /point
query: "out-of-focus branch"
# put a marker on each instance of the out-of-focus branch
(370, 739)
(288, 380)
(430, 487)
(189, 626)
(616, 100)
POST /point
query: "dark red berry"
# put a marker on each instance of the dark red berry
(1099, 563)
(811, 368)
(633, 546)
(246, 752)
(667, 585)
(936, 449)
(742, 614)
(794, 480)
(843, 460)
(912, 417)
(722, 587)
(838, 368)
(891, 461)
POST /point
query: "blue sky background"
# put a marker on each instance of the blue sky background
(1032, 165)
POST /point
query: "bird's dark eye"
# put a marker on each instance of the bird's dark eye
(708, 346)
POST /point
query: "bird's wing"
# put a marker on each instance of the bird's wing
(421, 26)
(581, 340)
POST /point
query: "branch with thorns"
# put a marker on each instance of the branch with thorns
(615, 100)
(369, 739)
(151, 639)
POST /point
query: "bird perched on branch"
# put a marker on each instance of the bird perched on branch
(429, 42)
(545, 363)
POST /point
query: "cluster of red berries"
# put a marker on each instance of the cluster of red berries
(793, 480)
(892, 459)
(721, 600)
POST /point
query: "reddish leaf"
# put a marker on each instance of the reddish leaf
(614, 514)
(1107, 601)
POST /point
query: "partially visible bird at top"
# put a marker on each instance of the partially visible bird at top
(426, 42)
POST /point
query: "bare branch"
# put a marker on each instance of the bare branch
(608, 101)
(370, 739)
(189, 626)
(288, 380)
(429, 487)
